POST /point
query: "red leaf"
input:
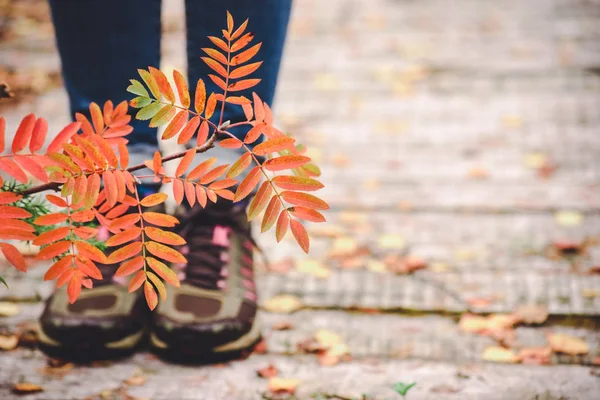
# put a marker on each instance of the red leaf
(85, 232)
(185, 163)
(229, 23)
(178, 191)
(202, 133)
(130, 266)
(13, 256)
(215, 54)
(8, 197)
(218, 81)
(163, 84)
(58, 268)
(108, 111)
(307, 214)
(51, 236)
(12, 168)
(23, 134)
(30, 165)
(300, 234)
(136, 281)
(254, 133)
(214, 174)
(57, 201)
(97, 118)
(274, 145)
(239, 30)
(259, 110)
(175, 125)
(124, 222)
(88, 267)
(14, 212)
(224, 184)
(110, 186)
(189, 130)
(124, 237)
(2, 131)
(201, 196)
(230, 143)
(304, 200)
(259, 202)
(150, 294)
(282, 225)
(38, 136)
(190, 192)
(218, 68)
(123, 155)
(63, 137)
(125, 252)
(163, 271)
(53, 250)
(74, 288)
(248, 184)
(92, 191)
(90, 251)
(201, 168)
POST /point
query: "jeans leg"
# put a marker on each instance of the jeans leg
(268, 21)
(102, 43)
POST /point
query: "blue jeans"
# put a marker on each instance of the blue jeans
(102, 43)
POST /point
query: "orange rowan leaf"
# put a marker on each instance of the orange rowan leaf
(53, 250)
(163, 271)
(88, 267)
(150, 294)
(175, 125)
(158, 285)
(226, 194)
(13, 256)
(246, 55)
(182, 88)
(74, 288)
(185, 163)
(118, 211)
(213, 174)
(165, 252)
(92, 152)
(215, 54)
(65, 277)
(211, 103)
(307, 214)
(65, 162)
(87, 283)
(29, 164)
(242, 42)
(274, 145)
(125, 252)
(239, 30)
(259, 110)
(286, 162)
(150, 82)
(156, 162)
(271, 214)
(125, 221)
(38, 136)
(85, 232)
(23, 134)
(57, 201)
(259, 202)
(243, 85)
(12, 168)
(218, 81)
(126, 236)
(108, 111)
(165, 237)
(224, 184)
(190, 192)
(136, 281)
(248, 111)
(304, 200)
(200, 97)
(105, 149)
(188, 131)
(16, 224)
(97, 118)
(63, 137)
(245, 70)
(120, 180)
(282, 225)
(9, 197)
(311, 170)
(118, 132)
(240, 165)
(239, 100)
(220, 43)
(86, 126)
(201, 168)
(254, 133)
(201, 196)
(110, 187)
(130, 266)
(154, 199)
(297, 183)
(178, 191)
(163, 116)
(163, 84)
(129, 182)
(90, 251)
(14, 212)
(83, 216)
(68, 187)
(16, 234)
(51, 236)
(92, 191)
(229, 23)
(58, 268)
(120, 110)
(2, 131)
(300, 235)
(159, 219)
(202, 133)
(230, 143)
(248, 184)
(123, 155)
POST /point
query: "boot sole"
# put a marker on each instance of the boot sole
(190, 353)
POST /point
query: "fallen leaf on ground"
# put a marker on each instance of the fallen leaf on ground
(283, 385)
(500, 354)
(376, 266)
(478, 173)
(313, 267)
(439, 267)
(353, 217)
(590, 293)
(326, 230)
(326, 338)
(8, 342)
(532, 314)
(404, 265)
(282, 326)
(57, 367)
(536, 355)
(480, 301)
(261, 347)
(391, 241)
(135, 380)
(473, 323)
(535, 160)
(267, 372)
(26, 388)
(502, 321)
(343, 246)
(562, 343)
(8, 309)
(568, 218)
(283, 303)
(334, 354)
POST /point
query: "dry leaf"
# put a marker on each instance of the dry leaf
(283, 303)
(8, 309)
(478, 173)
(326, 230)
(326, 338)
(404, 265)
(536, 355)
(261, 347)
(269, 371)
(333, 355)
(343, 246)
(562, 343)
(136, 380)
(473, 323)
(26, 388)
(568, 218)
(283, 385)
(532, 314)
(502, 321)
(535, 160)
(8, 342)
(376, 266)
(313, 267)
(500, 354)
(282, 326)
(391, 241)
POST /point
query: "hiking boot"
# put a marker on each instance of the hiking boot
(211, 316)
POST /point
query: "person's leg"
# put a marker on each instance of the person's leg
(101, 45)
(212, 314)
